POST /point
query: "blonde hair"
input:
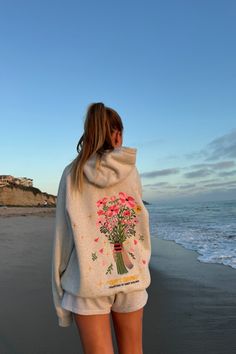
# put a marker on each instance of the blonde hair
(100, 122)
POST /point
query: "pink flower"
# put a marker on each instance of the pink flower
(100, 222)
(101, 202)
(126, 213)
(113, 198)
(113, 210)
(100, 212)
(126, 200)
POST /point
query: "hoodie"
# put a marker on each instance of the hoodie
(101, 242)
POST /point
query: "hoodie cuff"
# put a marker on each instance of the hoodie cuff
(65, 321)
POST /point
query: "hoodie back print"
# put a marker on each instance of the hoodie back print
(102, 241)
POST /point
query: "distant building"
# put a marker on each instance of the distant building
(23, 181)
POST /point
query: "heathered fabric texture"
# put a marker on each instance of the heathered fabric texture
(101, 242)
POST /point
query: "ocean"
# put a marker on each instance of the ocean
(206, 227)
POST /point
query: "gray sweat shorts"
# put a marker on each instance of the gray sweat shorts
(120, 302)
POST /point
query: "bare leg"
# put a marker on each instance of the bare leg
(95, 333)
(128, 328)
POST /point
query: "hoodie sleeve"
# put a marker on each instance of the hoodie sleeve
(62, 248)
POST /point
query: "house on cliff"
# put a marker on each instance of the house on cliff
(23, 181)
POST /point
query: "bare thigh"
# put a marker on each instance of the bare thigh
(95, 333)
(128, 328)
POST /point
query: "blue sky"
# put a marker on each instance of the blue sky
(167, 67)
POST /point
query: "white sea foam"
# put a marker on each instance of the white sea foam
(206, 227)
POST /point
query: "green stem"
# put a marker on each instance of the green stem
(121, 269)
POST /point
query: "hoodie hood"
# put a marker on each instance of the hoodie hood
(111, 168)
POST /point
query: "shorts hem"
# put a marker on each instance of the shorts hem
(87, 312)
(131, 309)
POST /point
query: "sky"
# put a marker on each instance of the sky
(167, 67)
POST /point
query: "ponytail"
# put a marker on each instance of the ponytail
(99, 124)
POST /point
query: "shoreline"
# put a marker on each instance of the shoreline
(196, 311)
(191, 305)
(11, 211)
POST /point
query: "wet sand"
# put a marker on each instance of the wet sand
(191, 306)
(26, 211)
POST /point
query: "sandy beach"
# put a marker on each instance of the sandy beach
(26, 211)
(191, 306)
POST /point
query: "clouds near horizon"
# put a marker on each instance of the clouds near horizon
(220, 174)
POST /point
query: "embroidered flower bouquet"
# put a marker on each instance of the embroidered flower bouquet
(117, 220)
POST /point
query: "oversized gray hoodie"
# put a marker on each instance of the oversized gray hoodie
(101, 242)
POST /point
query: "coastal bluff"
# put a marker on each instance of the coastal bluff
(19, 195)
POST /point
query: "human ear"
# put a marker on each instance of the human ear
(118, 138)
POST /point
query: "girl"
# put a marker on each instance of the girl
(102, 248)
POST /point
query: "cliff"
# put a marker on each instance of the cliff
(19, 195)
